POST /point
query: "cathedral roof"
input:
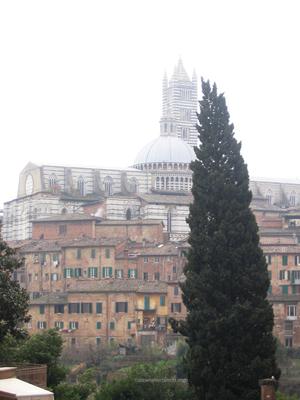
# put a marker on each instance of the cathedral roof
(165, 149)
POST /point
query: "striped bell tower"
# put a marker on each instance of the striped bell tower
(180, 103)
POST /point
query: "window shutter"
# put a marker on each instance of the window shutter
(96, 272)
(65, 273)
(103, 272)
(110, 272)
(129, 273)
(126, 307)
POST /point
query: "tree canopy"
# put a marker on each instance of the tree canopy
(13, 298)
(229, 321)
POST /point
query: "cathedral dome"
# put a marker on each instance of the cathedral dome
(165, 149)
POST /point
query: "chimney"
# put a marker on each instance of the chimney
(267, 389)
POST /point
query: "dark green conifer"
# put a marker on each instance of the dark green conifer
(230, 321)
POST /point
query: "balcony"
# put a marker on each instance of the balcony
(147, 309)
(291, 317)
(148, 328)
(295, 281)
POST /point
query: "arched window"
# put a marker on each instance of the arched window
(108, 185)
(181, 184)
(176, 183)
(157, 183)
(167, 183)
(293, 199)
(128, 214)
(269, 196)
(186, 184)
(172, 183)
(162, 182)
(80, 185)
(52, 181)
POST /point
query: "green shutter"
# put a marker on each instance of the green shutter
(65, 273)
(96, 272)
(110, 272)
(129, 273)
(162, 300)
(103, 272)
(285, 289)
(146, 302)
(285, 260)
(98, 325)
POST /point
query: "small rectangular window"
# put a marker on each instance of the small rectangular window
(291, 310)
(107, 253)
(59, 324)
(285, 289)
(289, 342)
(176, 307)
(156, 276)
(92, 272)
(62, 229)
(132, 273)
(268, 259)
(285, 260)
(42, 309)
(77, 272)
(99, 308)
(78, 254)
(93, 253)
(119, 273)
(176, 291)
(156, 259)
(145, 276)
(74, 308)
(162, 300)
(86, 308)
(73, 325)
(98, 325)
(68, 273)
(145, 259)
(112, 325)
(107, 272)
(41, 325)
(59, 308)
(129, 325)
(54, 277)
(121, 306)
(98, 341)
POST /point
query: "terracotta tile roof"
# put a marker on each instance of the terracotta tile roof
(51, 298)
(158, 250)
(130, 222)
(117, 285)
(67, 217)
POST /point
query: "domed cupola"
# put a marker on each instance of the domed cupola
(167, 158)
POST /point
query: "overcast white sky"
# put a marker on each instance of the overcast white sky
(80, 81)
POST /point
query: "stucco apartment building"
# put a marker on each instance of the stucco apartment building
(96, 289)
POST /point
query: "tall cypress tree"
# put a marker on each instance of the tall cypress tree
(229, 322)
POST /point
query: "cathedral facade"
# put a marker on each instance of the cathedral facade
(156, 186)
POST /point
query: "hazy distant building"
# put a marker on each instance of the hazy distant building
(157, 187)
(180, 103)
